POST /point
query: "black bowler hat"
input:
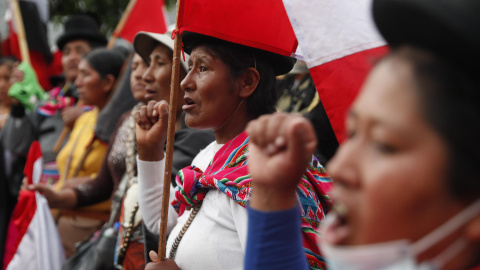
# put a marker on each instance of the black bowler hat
(281, 64)
(84, 27)
(448, 28)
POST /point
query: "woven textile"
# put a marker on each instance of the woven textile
(228, 172)
(56, 101)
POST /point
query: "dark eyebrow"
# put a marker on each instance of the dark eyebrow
(202, 58)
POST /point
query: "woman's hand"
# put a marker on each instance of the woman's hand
(167, 264)
(151, 131)
(49, 194)
(281, 147)
(65, 198)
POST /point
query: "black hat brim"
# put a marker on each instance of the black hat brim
(281, 64)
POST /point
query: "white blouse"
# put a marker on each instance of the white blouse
(216, 238)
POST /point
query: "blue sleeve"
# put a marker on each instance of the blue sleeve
(274, 240)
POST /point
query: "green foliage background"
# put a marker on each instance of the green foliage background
(109, 11)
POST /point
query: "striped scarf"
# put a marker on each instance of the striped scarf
(228, 172)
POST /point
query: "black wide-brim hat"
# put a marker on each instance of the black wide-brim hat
(281, 64)
(81, 27)
(448, 28)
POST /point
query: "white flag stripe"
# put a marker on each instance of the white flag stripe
(37, 170)
(329, 30)
(49, 243)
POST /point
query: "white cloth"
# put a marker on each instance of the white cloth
(217, 236)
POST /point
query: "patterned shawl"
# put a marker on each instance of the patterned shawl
(228, 172)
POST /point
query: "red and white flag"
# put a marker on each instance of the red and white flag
(262, 24)
(146, 15)
(339, 43)
(32, 237)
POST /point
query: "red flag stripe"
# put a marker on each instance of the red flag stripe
(26, 207)
(338, 83)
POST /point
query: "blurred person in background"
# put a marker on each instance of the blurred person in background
(297, 94)
(6, 68)
(82, 154)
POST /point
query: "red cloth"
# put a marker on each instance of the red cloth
(261, 24)
(21, 219)
(146, 15)
(338, 83)
(19, 223)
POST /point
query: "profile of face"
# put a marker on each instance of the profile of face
(92, 89)
(391, 171)
(211, 93)
(72, 53)
(158, 75)
(137, 84)
(5, 73)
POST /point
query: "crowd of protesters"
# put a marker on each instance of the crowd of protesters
(248, 187)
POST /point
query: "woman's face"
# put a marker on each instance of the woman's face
(211, 94)
(5, 73)
(92, 89)
(159, 74)
(136, 82)
(391, 171)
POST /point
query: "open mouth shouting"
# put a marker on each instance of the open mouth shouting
(336, 228)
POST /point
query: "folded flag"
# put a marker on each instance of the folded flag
(32, 239)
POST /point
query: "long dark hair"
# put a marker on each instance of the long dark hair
(105, 61)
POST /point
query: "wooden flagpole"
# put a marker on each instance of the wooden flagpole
(162, 240)
(121, 23)
(22, 39)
